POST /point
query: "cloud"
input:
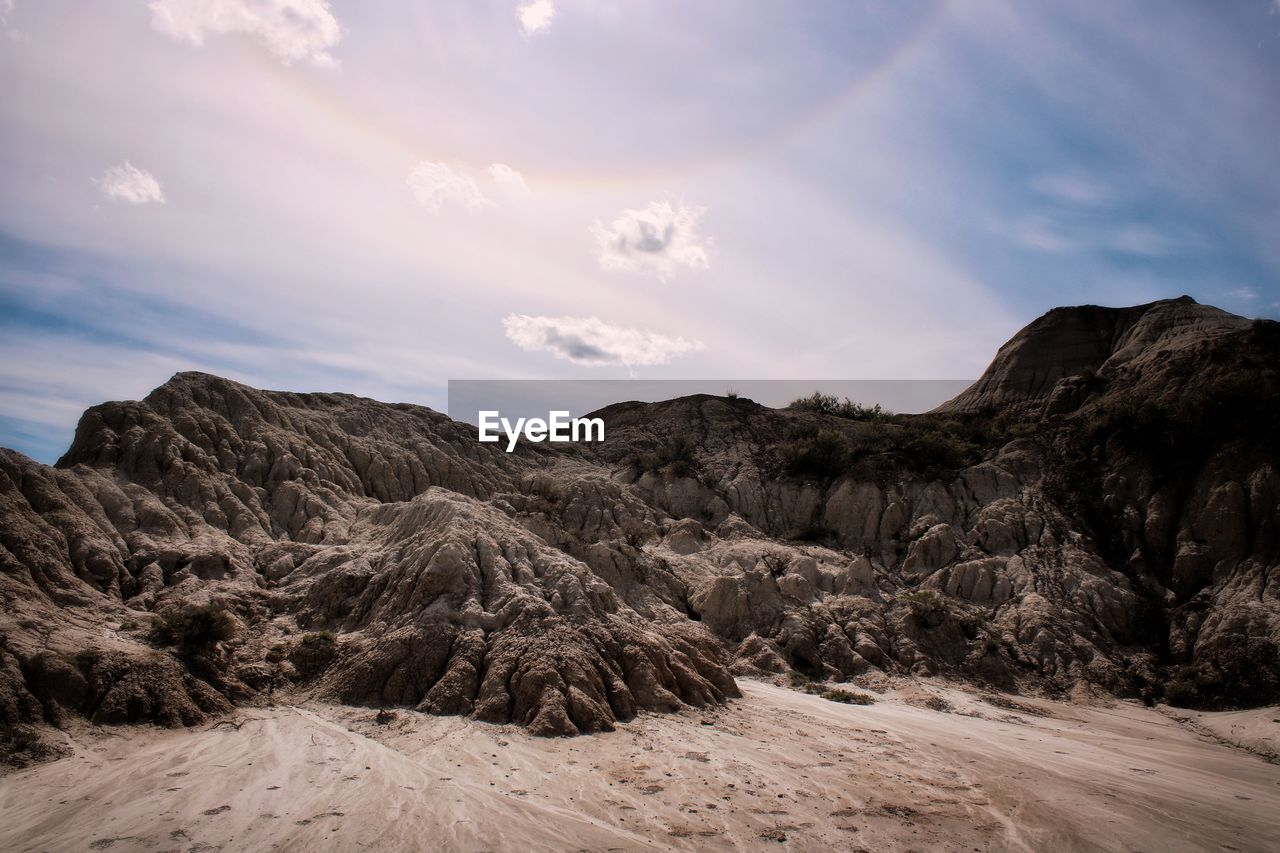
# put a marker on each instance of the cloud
(131, 185)
(1038, 233)
(6, 10)
(535, 16)
(658, 239)
(593, 342)
(1244, 294)
(507, 177)
(1073, 188)
(436, 184)
(291, 29)
(1138, 240)
(1044, 234)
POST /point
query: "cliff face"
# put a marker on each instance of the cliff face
(1090, 340)
(1100, 508)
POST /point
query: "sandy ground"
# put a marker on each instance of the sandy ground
(778, 769)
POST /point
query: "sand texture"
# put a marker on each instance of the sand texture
(778, 768)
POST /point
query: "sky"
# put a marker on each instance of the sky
(378, 197)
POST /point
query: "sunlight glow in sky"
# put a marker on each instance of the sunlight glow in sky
(379, 197)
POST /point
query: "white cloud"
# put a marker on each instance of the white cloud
(131, 185)
(436, 184)
(507, 177)
(593, 342)
(1073, 188)
(658, 239)
(535, 16)
(291, 29)
(1244, 294)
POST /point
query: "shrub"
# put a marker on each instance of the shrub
(934, 453)
(922, 445)
(1181, 694)
(86, 658)
(823, 404)
(15, 739)
(314, 652)
(778, 564)
(937, 703)
(635, 532)
(1242, 675)
(927, 605)
(21, 746)
(676, 456)
(194, 627)
(824, 454)
(848, 697)
(829, 404)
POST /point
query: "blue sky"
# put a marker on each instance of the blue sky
(380, 197)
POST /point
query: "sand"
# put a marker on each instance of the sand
(777, 769)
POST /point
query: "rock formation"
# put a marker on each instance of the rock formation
(1100, 508)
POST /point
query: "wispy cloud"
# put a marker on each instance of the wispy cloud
(1138, 240)
(535, 16)
(660, 238)
(593, 342)
(436, 184)
(1073, 188)
(6, 12)
(1046, 234)
(1038, 233)
(294, 30)
(131, 185)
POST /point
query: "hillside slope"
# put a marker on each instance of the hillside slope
(1100, 508)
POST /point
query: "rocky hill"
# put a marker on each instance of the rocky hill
(1100, 508)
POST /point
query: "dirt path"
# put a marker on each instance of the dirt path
(777, 769)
